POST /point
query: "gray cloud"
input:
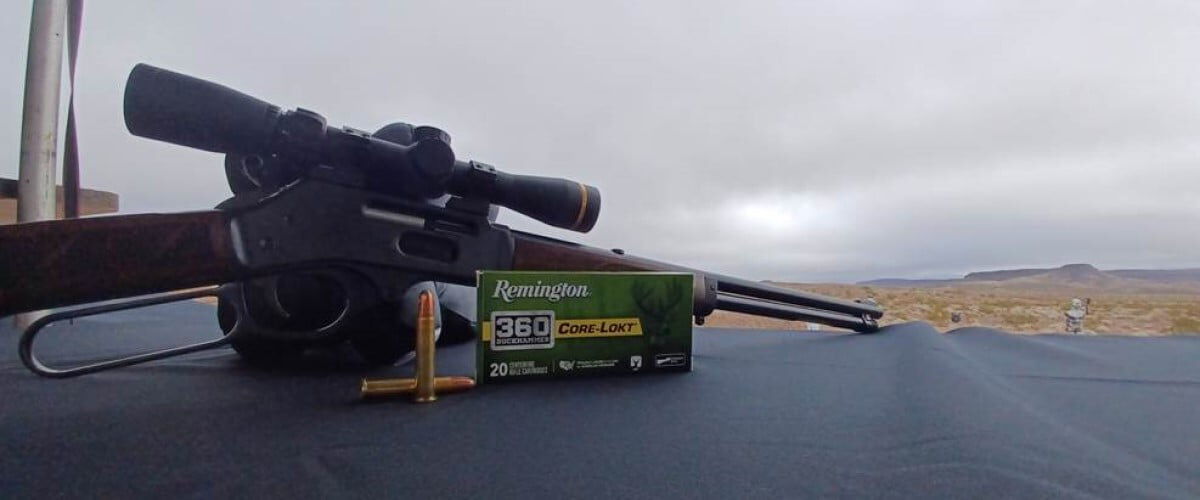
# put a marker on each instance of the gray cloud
(790, 140)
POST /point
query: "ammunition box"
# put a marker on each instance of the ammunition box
(566, 324)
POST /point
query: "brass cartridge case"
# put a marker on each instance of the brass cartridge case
(426, 390)
(384, 387)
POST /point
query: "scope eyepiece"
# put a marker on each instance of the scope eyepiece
(558, 202)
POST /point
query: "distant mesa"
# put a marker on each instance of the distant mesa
(1070, 275)
(1069, 271)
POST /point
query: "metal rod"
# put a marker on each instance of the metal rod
(71, 181)
(39, 119)
(750, 305)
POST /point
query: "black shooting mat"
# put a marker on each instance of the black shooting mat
(903, 413)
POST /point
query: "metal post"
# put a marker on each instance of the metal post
(39, 121)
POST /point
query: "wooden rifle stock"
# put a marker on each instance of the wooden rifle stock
(64, 262)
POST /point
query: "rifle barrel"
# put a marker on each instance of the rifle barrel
(758, 307)
(729, 284)
(539, 253)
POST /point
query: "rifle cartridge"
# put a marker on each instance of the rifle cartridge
(384, 387)
(426, 350)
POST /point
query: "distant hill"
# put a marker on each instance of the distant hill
(1010, 274)
(1070, 275)
(1163, 275)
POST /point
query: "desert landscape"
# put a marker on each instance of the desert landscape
(1123, 302)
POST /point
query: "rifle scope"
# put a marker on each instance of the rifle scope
(184, 110)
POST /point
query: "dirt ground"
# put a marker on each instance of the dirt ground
(1019, 311)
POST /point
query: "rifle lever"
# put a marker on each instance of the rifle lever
(29, 358)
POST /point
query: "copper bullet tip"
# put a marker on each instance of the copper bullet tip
(425, 306)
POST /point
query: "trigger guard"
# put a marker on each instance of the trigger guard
(358, 298)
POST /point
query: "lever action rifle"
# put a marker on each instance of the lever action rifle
(327, 230)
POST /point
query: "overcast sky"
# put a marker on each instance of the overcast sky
(804, 141)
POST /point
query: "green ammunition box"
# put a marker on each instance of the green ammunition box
(566, 324)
